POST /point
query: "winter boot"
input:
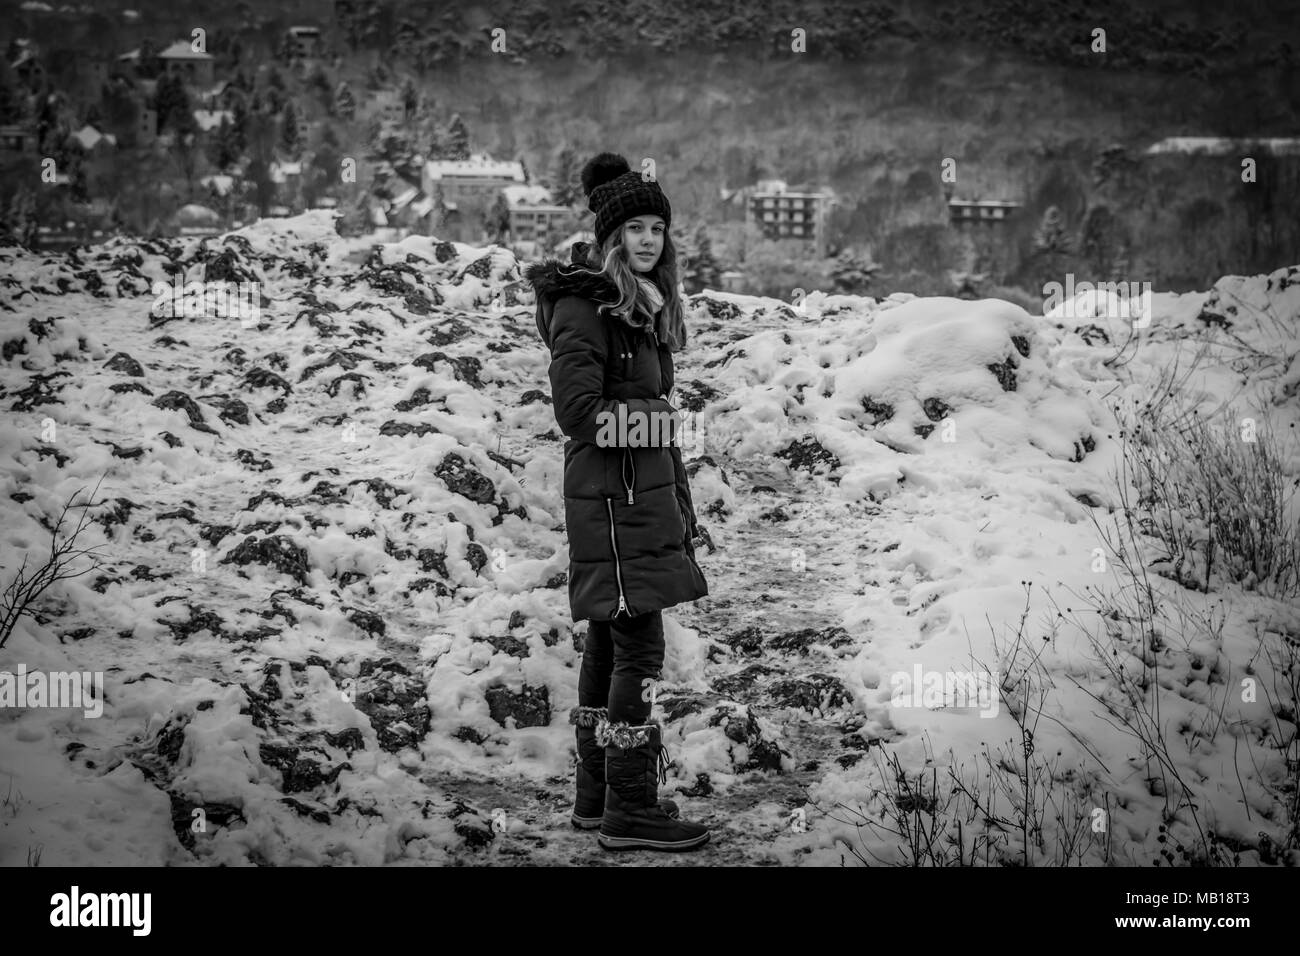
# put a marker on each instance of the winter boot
(589, 805)
(635, 764)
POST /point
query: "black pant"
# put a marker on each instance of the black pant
(617, 656)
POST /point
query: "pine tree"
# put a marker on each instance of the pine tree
(290, 135)
(11, 109)
(1051, 238)
(173, 105)
(238, 131)
(698, 266)
(345, 104)
(221, 148)
(410, 98)
(566, 187)
(1051, 243)
(457, 140)
(497, 220)
(852, 273)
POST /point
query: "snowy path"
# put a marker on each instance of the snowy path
(765, 624)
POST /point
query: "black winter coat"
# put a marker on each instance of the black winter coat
(627, 511)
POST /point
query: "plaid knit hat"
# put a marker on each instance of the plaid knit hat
(615, 194)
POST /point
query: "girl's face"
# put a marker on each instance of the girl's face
(643, 235)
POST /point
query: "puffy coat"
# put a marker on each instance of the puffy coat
(627, 511)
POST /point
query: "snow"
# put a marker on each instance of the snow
(947, 521)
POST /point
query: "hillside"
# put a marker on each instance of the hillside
(330, 606)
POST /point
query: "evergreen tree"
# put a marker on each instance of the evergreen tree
(457, 140)
(852, 273)
(290, 135)
(566, 187)
(698, 268)
(238, 131)
(11, 106)
(22, 220)
(497, 220)
(410, 98)
(173, 105)
(221, 147)
(1051, 243)
(1051, 238)
(345, 104)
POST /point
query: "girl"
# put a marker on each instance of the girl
(612, 319)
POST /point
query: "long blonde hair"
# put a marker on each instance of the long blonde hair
(611, 260)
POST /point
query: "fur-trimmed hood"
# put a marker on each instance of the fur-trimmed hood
(553, 279)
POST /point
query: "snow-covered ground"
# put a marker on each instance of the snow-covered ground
(331, 612)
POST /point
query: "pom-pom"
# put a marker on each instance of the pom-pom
(601, 169)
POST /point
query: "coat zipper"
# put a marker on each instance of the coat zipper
(627, 456)
(618, 566)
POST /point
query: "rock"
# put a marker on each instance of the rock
(299, 773)
(475, 836)
(800, 640)
(741, 726)
(815, 692)
(935, 409)
(394, 700)
(807, 453)
(121, 362)
(734, 685)
(347, 740)
(1005, 372)
(276, 551)
(214, 815)
(369, 622)
(879, 411)
(179, 400)
(508, 644)
(748, 641)
(530, 707)
(258, 377)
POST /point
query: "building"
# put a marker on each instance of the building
(783, 213)
(732, 281)
(195, 68)
(210, 120)
(386, 105)
(17, 138)
(1224, 146)
(304, 42)
(963, 212)
(537, 222)
(564, 247)
(478, 177)
(409, 208)
(196, 220)
(146, 132)
(533, 217)
(87, 139)
(28, 68)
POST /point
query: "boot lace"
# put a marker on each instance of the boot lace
(664, 761)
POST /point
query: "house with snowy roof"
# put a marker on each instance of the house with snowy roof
(192, 66)
(1225, 145)
(478, 177)
(88, 139)
(533, 217)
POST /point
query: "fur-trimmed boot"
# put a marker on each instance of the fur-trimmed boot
(589, 804)
(635, 764)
